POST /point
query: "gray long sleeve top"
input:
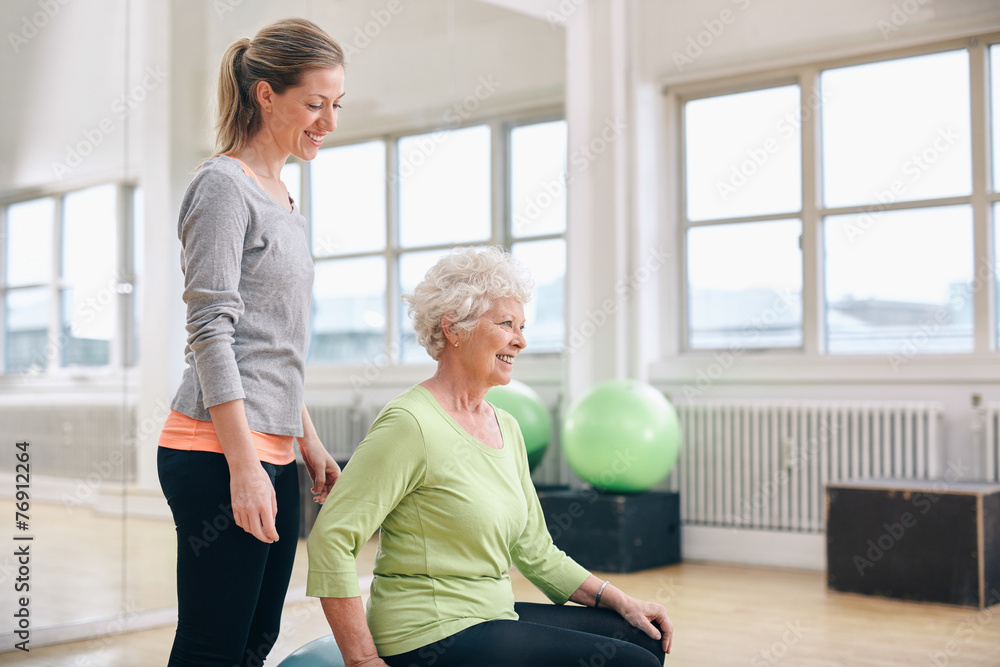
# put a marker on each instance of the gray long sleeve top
(248, 277)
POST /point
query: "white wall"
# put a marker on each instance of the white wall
(410, 63)
(760, 34)
(754, 36)
(62, 69)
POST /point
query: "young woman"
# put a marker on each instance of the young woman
(226, 460)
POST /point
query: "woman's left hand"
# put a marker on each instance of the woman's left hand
(323, 470)
(643, 615)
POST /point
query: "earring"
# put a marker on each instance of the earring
(267, 108)
(456, 344)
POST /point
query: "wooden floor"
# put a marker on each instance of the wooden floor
(723, 615)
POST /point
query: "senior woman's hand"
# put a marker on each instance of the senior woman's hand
(643, 615)
(371, 662)
(650, 617)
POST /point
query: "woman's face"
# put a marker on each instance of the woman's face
(488, 352)
(301, 116)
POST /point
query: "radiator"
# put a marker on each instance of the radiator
(71, 441)
(341, 428)
(764, 464)
(991, 415)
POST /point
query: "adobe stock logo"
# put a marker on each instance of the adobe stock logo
(31, 26)
(899, 16)
(121, 108)
(700, 42)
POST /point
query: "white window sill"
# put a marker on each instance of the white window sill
(723, 368)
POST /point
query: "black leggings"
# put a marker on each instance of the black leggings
(230, 585)
(545, 636)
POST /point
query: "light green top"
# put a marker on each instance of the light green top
(455, 515)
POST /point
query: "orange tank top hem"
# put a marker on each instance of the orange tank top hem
(193, 435)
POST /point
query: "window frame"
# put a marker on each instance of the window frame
(787, 362)
(684, 224)
(122, 353)
(388, 368)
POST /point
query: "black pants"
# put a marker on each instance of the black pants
(545, 636)
(230, 585)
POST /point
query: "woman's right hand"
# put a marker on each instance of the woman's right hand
(254, 502)
(370, 662)
(347, 620)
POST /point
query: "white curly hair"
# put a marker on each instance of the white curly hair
(463, 284)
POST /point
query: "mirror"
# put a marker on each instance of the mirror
(111, 119)
(67, 325)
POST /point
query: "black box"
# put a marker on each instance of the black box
(611, 532)
(918, 540)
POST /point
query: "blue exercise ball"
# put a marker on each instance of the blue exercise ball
(322, 652)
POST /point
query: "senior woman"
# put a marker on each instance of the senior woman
(445, 475)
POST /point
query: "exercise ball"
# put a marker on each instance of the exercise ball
(527, 408)
(322, 652)
(622, 436)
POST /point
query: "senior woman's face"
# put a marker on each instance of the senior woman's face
(489, 351)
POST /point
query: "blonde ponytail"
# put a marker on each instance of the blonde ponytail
(238, 117)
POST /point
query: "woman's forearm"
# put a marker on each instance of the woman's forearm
(230, 421)
(254, 503)
(346, 617)
(323, 470)
(309, 434)
(586, 594)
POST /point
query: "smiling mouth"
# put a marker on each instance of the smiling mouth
(317, 138)
(506, 358)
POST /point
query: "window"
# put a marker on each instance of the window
(537, 179)
(994, 69)
(445, 199)
(745, 285)
(348, 228)
(891, 220)
(995, 109)
(65, 299)
(537, 223)
(348, 200)
(906, 279)
(897, 131)
(444, 188)
(545, 313)
(28, 262)
(743, 179)
(348, 320)
(383, 211)
(88, 289)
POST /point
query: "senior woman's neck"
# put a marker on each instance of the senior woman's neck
(455, 391)
(466, 405)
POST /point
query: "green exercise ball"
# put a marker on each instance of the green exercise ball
(527, 408)
(622, 436)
